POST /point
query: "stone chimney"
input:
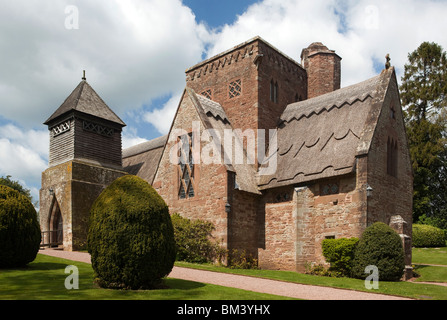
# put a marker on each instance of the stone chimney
(323, 69)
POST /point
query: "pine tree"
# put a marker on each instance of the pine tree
(423, 93)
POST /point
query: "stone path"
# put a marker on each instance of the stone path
(280, 288)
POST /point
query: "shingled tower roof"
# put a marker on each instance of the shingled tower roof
(84, 99)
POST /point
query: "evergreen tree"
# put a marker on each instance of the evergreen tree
(6, 181)
(423, 93)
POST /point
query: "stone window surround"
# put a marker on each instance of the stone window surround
(188, 186)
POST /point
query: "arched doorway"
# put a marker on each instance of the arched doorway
(56, 225)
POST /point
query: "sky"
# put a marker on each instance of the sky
(135, 53)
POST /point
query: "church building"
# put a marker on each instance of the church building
(273, 152)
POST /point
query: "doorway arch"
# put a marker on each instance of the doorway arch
(55, 224)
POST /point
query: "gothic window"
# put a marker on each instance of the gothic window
(97, 128)
(186, 168)
(391, 157)
(61, 128)
(235, 88)
(207, 94)
(274, 91)
(330, 188)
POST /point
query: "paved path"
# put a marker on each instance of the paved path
(280, 288)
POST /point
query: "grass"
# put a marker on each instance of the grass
(426, 261)
(430, 256)
(44, 279)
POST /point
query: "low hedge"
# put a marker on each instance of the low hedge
(340, 254)
(193, 239)
(428, 236)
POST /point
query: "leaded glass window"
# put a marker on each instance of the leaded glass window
(186, 167)
(235, 88)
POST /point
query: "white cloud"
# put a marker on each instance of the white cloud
(130, 137)
(137, 51)
(132, 51)
(361, 32)
(162, 118)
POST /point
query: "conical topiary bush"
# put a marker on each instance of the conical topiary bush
(131, 238)
(19, 229)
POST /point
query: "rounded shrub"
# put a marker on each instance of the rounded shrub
(193, 239)
(379, 246)
(130, 237)
(340, 254)
(427, 236)
(19, 229)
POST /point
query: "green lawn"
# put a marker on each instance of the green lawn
(424, 257)
(45, 279)
(430, 256)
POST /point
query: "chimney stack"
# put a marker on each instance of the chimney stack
(323, 68)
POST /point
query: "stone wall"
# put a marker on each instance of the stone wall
(323, 68)
(256, 64)
(297, 220)
(73, 186)
(392, 190)
(210, 180)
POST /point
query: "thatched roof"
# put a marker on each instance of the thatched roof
(321, 137)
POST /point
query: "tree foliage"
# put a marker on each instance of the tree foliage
(131, 237)
(193, 240)
(6, 181)
(423, 93)
(379, 246)
(19, 229)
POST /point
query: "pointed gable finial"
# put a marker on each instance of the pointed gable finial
(83, 77)
(387, 64)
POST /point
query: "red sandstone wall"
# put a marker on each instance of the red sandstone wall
(210, 181)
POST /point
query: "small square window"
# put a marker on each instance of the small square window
(207, 94)
(235, 88)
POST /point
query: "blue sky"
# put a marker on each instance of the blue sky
(217, 13)
(135, 53)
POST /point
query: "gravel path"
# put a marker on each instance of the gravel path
(281, 288)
